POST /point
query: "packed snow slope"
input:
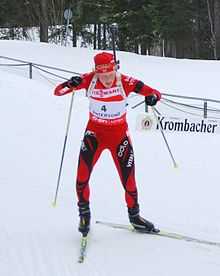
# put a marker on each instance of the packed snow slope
(39, 240)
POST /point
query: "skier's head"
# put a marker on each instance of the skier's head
(105, 68)
(104, 62)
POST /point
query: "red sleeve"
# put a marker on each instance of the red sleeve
(131, 84)
(63, 89)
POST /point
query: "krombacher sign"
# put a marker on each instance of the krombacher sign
(178, 125)
(188, 125)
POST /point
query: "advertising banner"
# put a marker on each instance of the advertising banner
(146, 122)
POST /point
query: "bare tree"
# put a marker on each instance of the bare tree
(45, 14)
(56, 11)
(210, 7)
(217, 27)
(44, 21)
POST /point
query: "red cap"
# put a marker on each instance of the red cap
(104, 62)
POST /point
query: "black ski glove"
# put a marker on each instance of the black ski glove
(74, 81)
(151, 99)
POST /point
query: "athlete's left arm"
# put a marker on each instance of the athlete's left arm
(74, 84)
(133, 85)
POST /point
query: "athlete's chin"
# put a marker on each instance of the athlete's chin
(108, 84)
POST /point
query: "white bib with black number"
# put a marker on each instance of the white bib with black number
(107, 110)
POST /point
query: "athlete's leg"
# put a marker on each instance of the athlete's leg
(123, 155)
(89, 153)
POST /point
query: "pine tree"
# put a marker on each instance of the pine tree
(173, 20)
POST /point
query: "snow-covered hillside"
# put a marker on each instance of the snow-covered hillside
(37, 239)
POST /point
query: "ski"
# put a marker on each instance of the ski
(161, 233)
(83, 246)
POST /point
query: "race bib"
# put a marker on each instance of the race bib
(107, 110)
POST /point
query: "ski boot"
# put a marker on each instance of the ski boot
(140, 224)
(84, 214)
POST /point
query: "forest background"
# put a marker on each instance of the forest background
(171, 28)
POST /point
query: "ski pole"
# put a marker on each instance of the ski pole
(63, 152)
(165, 140)
(114, 28)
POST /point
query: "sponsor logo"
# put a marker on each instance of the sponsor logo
(130, 80)
(106, 93)
(105, 115)
(184, 125)
(107, 122)
(89, 133)
(146, 123)
(130, 160)
(83, 146)
(122, 148)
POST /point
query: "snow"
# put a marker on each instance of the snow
(37, 239)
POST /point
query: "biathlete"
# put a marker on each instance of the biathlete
(107, 128)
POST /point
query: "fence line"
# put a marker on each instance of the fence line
(191, 106)
(191, 98)
(45, 71)
(40, 66)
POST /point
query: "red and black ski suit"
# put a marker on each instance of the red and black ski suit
(107, 129)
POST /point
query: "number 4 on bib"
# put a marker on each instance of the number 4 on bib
(103, 108)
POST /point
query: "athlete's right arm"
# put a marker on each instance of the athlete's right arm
(75, 83)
